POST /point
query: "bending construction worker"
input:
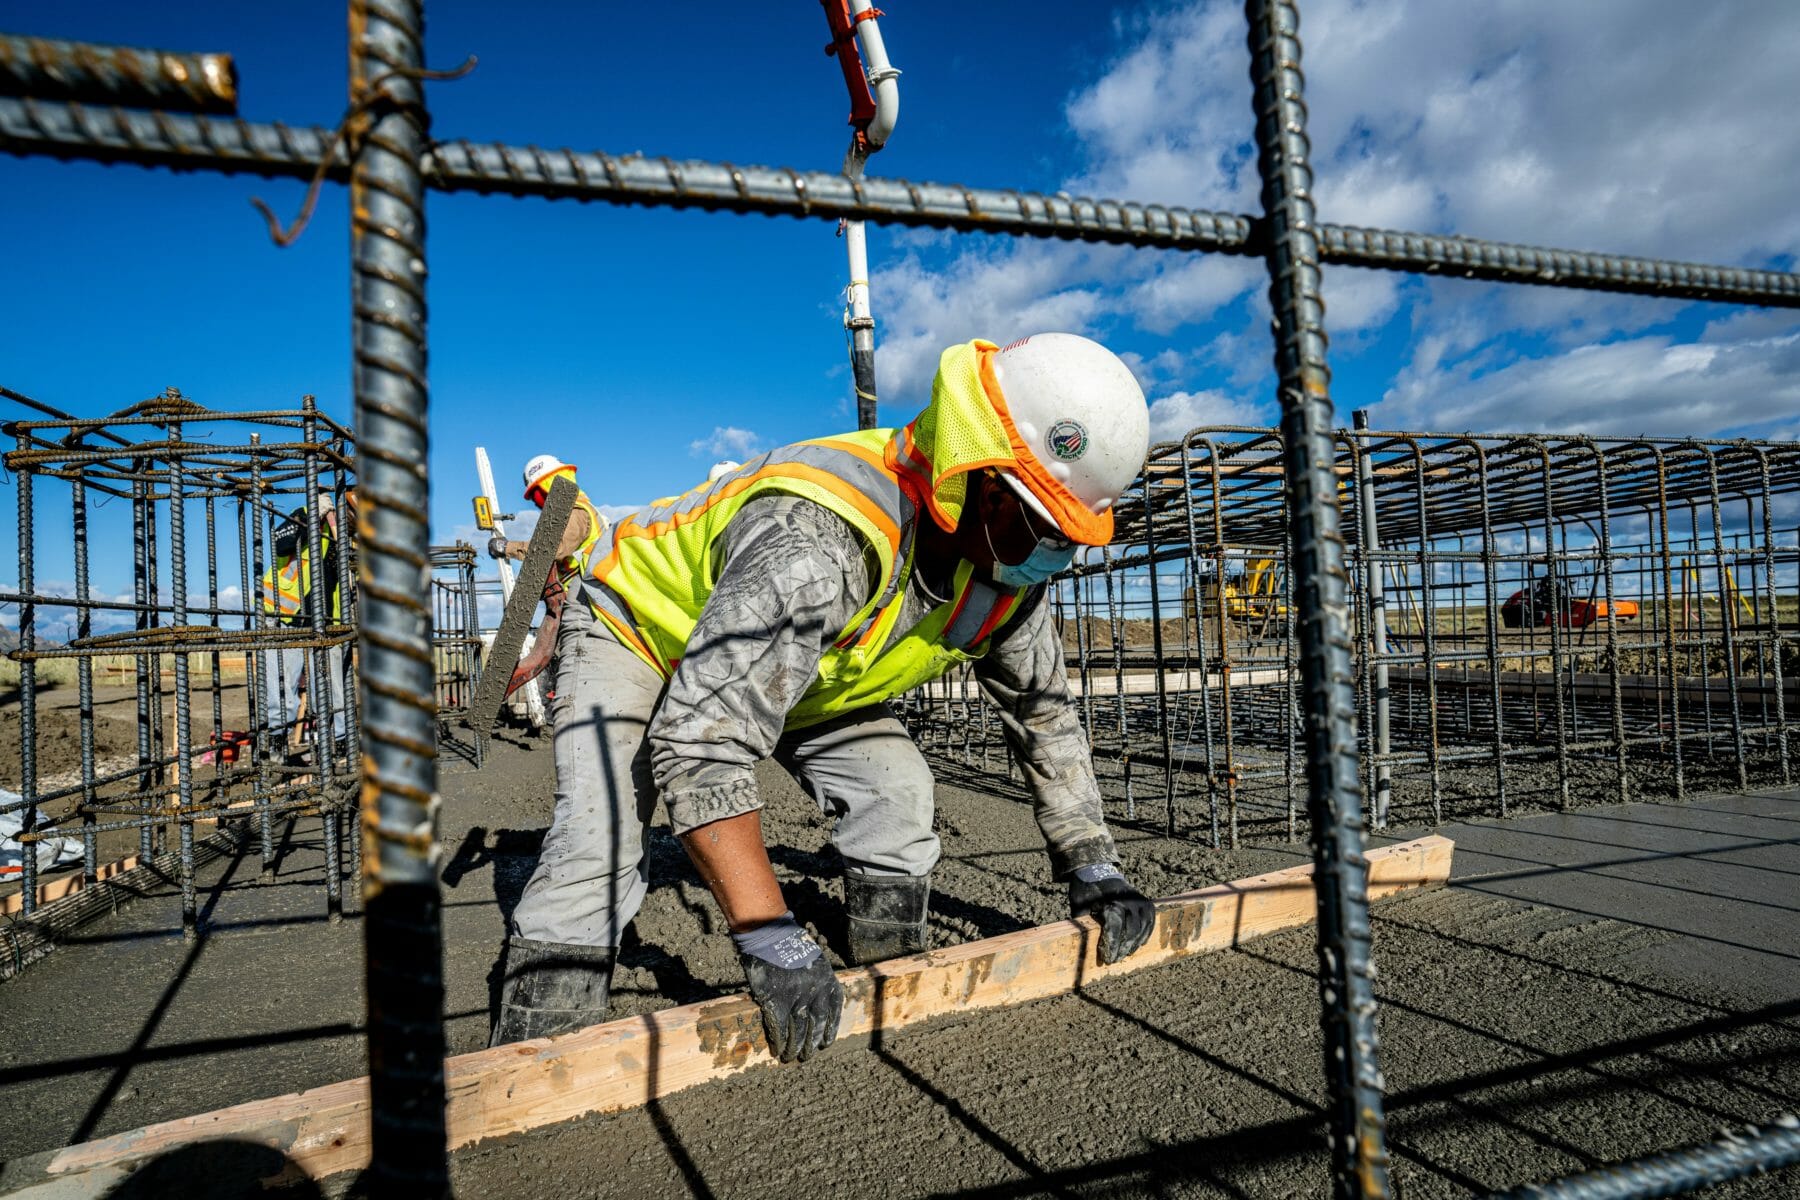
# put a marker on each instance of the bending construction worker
(773, 612)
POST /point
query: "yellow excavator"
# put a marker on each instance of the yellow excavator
(1254, 594)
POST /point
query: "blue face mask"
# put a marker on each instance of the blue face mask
(1047, 558)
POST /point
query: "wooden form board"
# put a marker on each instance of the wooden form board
(56, 889)
(628, 1063)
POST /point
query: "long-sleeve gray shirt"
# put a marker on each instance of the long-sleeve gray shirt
(793, 575)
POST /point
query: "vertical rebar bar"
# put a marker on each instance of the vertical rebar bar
(27, 693)
(1615, 691)
(212, 600)
(140, 592)
(1352, 1061)
(1428, 635)
(159, 742)
(1162, 676)
(184, 763)
(84, 675)
(1727, 618)
(315, 589)
(1200, 663)
(1377, 606)
(1490, 568)
(250, 549)
(1778, 671)
(1222, 623)
(401, 903)
(1559, 601)
(1668, 590)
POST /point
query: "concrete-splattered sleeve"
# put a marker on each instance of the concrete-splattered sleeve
(1023, 676)
(793, 576)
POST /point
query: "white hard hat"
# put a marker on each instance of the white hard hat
(1080, 412)
(541, 468)
(722, 468)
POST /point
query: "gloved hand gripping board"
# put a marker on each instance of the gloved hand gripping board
(534, 572)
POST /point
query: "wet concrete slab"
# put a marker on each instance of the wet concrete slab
(1587, 956)
(1721, 872)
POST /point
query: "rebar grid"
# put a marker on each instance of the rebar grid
(1562, 620)
(389, 164)
(174, 489)
(456, 641)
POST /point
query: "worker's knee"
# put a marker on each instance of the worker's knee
(888, 829)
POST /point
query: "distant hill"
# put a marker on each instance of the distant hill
(9, 641)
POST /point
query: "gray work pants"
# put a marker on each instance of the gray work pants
(591, 876)
(281, 687)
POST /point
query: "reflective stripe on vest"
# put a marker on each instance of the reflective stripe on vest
(285, 585)
(660, 565)
(580, 556)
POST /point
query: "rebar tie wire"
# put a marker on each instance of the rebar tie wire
(378, 100)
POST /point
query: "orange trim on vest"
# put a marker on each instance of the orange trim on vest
(630, 637)
(962, 602)
(995, 618)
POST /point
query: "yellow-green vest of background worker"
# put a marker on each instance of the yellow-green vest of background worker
(774, 611)
(288, 594)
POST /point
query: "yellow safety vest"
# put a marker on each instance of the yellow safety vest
(573, 563)
(662, 563)
(286, 585)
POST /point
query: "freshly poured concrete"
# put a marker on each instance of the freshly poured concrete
(1595, 985)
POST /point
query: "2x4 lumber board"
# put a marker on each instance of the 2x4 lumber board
(528, 592)
(628, 1063)
(1106, 683)
(56, 889)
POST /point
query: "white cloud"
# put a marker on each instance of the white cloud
(1174, 415)
(1649, 385)
(726, 441)
(1627, 126)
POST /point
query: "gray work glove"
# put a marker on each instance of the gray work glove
(1126, 917)
(792, 983)
(497, 547)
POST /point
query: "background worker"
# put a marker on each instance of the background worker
(773, 612)
(288, 596)
(586, 525)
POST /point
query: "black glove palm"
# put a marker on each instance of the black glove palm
(800, 1005)
(1126, 917)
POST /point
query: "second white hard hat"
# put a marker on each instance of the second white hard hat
(541, 468)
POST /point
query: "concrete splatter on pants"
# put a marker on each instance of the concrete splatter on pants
(591, 877)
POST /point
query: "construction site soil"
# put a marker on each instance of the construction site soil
(1595, 986)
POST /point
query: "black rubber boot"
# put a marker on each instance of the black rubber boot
(549, 988)
(887, 915)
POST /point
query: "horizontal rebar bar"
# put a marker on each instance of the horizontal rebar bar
(1733, 1156)
(182, 142)
(50, 69)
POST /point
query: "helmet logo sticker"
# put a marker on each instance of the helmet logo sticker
(1067, 440)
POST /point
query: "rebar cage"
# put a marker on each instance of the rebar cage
(384, 153)
(456, 641)
(1537, 620)
(243, 701)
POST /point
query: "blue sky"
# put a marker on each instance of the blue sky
(643, 344)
